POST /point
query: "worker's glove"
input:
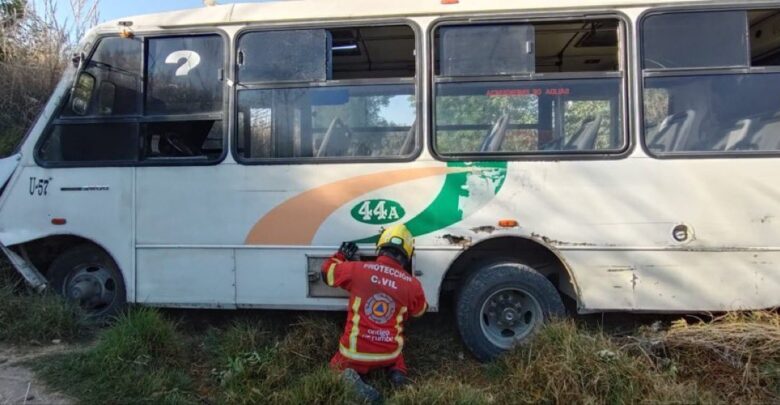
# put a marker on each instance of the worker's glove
(348, 250)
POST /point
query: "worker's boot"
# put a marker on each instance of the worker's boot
(398, 379)
(363, 390)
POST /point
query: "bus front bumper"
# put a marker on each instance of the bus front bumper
(31, 275)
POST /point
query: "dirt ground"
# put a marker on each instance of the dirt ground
(17, 383)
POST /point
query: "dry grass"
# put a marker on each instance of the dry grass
(566, 364)
(736, 355)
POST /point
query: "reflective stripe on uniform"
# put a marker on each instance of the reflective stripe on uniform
(369, 357)
(399, 320)
(331, 274)
(422, 312)
(355, 325)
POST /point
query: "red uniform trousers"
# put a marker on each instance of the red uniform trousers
(340, 363)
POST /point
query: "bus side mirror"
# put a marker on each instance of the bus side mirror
(81, 95)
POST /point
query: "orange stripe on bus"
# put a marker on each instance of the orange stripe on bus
(296, 221)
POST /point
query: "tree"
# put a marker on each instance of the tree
(11, 12)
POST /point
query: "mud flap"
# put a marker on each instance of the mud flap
(34, 278)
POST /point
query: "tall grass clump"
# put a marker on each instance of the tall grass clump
(563, 364)
(141, 358)
(736, 355)
(27, 317)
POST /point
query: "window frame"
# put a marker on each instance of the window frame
(643, 74)
(140, 118)
(625, 55)
(416, 82)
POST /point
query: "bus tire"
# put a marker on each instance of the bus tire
(504, 304)
(89, 277)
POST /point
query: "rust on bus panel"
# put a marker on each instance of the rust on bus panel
(457, 240)
(555, 242)
(484, 229)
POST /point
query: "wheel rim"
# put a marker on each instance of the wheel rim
(508, 316)
(92, 286)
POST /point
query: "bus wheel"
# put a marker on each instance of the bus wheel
(503, 304)
(87, 276)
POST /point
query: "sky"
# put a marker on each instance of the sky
(114, 9)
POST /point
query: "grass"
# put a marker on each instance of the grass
(30, 318)
(281, 358)
(737, 354)
(564, 364)
(142, 358)
(170, 357)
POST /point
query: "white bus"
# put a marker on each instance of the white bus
(620, 155)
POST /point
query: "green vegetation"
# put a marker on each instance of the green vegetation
(31, 318)
(282, 358)
(173, 357)
(141, 358)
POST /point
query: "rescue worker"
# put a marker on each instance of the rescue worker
(383, 294)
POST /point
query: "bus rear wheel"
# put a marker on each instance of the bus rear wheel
(502, 305)
(87, 276)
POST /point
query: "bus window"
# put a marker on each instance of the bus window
(184, 75)
(365, 108)
(694, 40)
(535, 106)
(184, 99)
(111, 116)
(284, 56)
(116, 65)
(709, 107)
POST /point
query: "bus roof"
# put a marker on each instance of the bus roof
(302, 10)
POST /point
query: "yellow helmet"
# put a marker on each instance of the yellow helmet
(397, 236)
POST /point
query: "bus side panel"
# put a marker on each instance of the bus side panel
(614, 222)
(671, 281)
(707, 281)
(277, 278)
(95, 203)
(186, 277)
(184, 220)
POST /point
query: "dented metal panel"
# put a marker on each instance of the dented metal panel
(31, 275)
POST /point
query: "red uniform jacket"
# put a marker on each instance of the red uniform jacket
(382, 297)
